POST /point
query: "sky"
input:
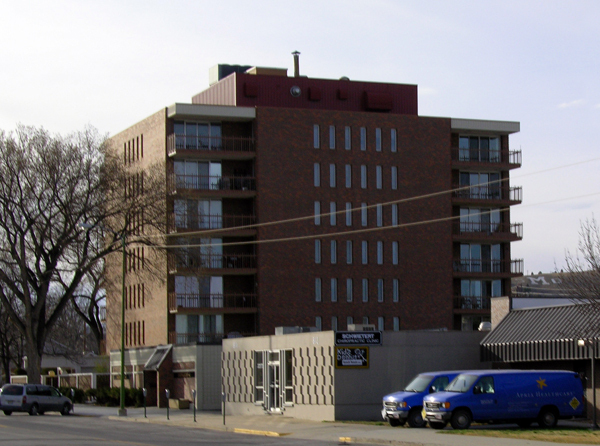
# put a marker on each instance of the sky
(67, 64)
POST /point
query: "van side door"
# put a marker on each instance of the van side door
(485, 404)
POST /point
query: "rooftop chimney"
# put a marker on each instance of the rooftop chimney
(296, 55)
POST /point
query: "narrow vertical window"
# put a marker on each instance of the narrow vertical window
(365, 320)
(379, 290)
(349, 292)
(318, 323)
(363, 138)
(393, 144)
(332, 213)
(380, 323)
(332, 136)
(332, 175)
(395, 253)
(347, 138)
(379, 209)
(317, 175)
(395, 290)
(317, 213)
(317, 289)
(396, 323)
(349, 321)
(394, 178)
(349, 252)
(394, 215)
(333, 290)
(316, 136)
(365, 252)
(317, 251)
(363, 214)
(365, 290)
(380, 253)
(379, 177)
(363, 176)
(348, 176)
(348, 214)
(378, 140)
(333, 250)
(334, 323)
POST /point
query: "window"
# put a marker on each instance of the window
(348, 176)
(480, 258)
(394, 253)
(334, 323)
(348, 214)
(333, 290)
(317, 251)
(395, 290)
(332, 175)
(393, 144)
(332, 213)
(349, 252)
(475, 294)
(316, 136)
(394, 178)
(332, 136)
(380, 253)
(365, 320)
(349, 321)
(204, 175)
(347, 138)
(379, 209)
(363, 176)
(485, 186)
(485, 385)
(394, 214)
(363, 138)
(380, 323)
(378, 177)
(317, 175)
(365, 290)
(197, 136)
(317, 289)
(396, 323)
(333, 252)
(318, 323)
(349, 292)
(479, 148)
(363, 214)
(365, 252)
(259, 377)
(479, 220)
(379, 290)
(317, 213)
(378, 140)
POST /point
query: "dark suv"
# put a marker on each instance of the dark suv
(33, 398)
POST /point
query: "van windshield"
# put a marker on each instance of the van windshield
(461, 383)
(418, 384)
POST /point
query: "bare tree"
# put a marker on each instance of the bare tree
(49, 187)
(11, 344)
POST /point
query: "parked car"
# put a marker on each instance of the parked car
(406, 405)
(33, 398)
(515, 396)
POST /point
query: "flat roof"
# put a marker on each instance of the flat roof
(482, 125)
(200, 111)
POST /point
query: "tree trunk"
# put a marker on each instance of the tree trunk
(34, 362)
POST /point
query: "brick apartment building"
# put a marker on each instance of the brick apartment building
(350, 171)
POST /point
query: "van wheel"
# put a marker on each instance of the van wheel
(415, 418)
(8, 412)
(33, 410)
(437, 425)
(547, 417)
(461, 419)
(66, 409)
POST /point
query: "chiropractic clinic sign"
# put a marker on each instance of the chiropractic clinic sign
(357, 338)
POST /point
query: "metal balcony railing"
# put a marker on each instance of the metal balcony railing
(191, 260)
(194, 221)
(472, 303)
(514, 193)
(488, 228)
(219, 143)
(488, 266)
(203, 338)
(211, 182)
(181, 300)
(512, 157)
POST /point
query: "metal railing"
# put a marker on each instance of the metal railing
(217, 143)
(466, 227)
(472, 303)
(190, 259)
(211, 182)
(195, 338)
(488, 266)
(189, 220)
(514, 193)
(487, 156)
(181, 300)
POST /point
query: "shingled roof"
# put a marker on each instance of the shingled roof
(543, 334)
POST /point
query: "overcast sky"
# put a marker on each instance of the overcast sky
(66, 64)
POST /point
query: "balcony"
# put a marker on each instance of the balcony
(468, 230)
(230, 264)
(477, 194)
(479, 303)
(478, 267)
(239, 147)
(189, 221)
(202, 338)
(211, 183)
(243, 302)
(478, 157)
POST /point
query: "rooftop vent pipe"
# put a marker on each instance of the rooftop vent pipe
(296, 55)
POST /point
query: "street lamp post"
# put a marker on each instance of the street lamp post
(591, 343)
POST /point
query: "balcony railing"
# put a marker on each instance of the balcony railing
(488, 228)
(242, 300)
(194, 221)
(514, 193)
(220, 143)
(191, 260)
(488, 266)
(202, 338)
(211, 182)
(472, 303)
(487, 156)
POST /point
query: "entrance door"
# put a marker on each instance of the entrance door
(274, 383)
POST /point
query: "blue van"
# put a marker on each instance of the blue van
(516, 396)
(406, 405)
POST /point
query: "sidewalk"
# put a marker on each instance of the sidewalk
(277, 425)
